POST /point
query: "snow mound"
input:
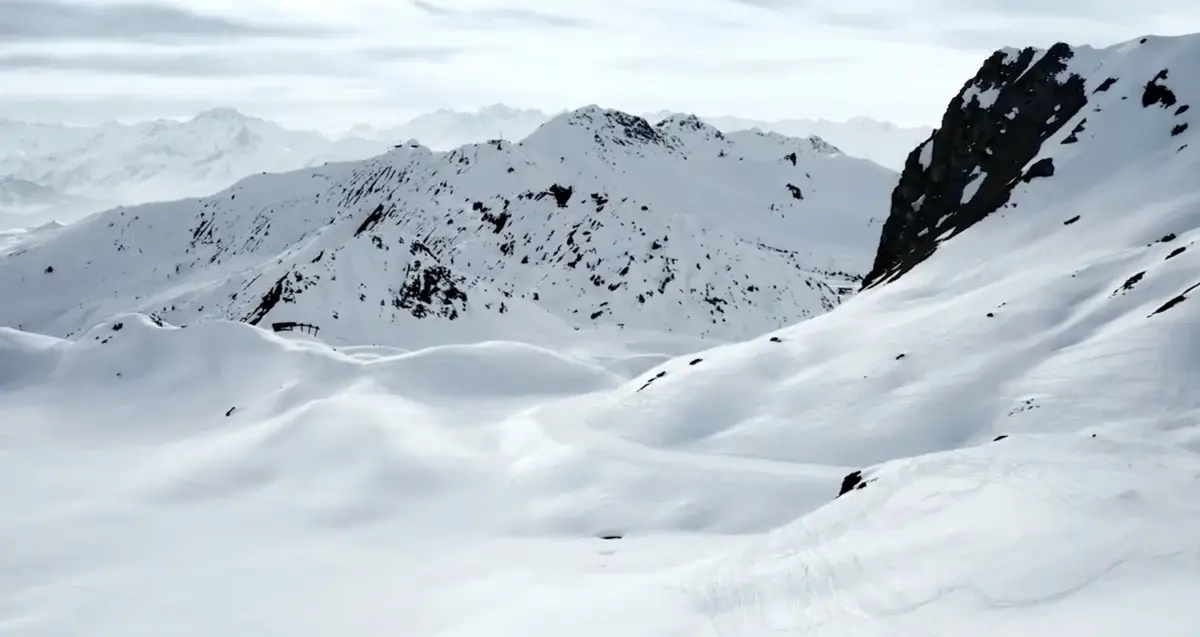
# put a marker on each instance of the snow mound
(1039, 535)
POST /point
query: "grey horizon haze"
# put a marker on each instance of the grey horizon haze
(328, 64)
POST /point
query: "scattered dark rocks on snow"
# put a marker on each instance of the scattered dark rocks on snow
(430, 289)
(1074, 136)
(561, 194)
(776, 339)
(1130, 282)
(1043, 167)
(1105, 85)
(656, 377)
(1000, 437)
(1155, 93)
(1178, 129)
(1071, 220)
(267, 303)
(696, 362)
(1176, 252)
(1175, 301)
(371, 221)
(230, 412)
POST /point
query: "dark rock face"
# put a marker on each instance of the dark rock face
(1024, 103)
(430, 290)
(850, 482)
(284, 290)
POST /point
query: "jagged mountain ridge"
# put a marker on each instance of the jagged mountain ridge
(597, 218)
(127, 164)
(881, 142)
(1023, 116)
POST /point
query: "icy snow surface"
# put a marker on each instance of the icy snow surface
(221, 479)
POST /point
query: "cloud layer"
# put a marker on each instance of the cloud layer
(330, 63)
(50, 20)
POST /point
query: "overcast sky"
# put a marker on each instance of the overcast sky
(331, 63)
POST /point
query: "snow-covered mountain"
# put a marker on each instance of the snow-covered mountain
(165, 159)
(596, 218)
(881, 142)
(999, 436)
(113, 164)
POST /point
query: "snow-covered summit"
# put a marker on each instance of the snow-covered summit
(881, 142)
(597, 218)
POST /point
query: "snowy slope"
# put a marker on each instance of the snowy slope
(164, 159)
(221, 479)
(597, 218)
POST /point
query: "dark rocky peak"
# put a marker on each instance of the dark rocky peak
(683, 122)
(990, 132)
(821, 146)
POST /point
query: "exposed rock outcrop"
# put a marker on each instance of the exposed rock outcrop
(989, 134)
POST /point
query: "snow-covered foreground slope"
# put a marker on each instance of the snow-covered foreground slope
(597, 218)
(222, 479)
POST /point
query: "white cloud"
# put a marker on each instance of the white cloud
(383, 60)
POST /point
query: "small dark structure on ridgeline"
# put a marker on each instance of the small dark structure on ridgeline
(290, 326)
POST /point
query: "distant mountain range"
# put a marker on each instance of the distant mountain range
(881, 142)
(64, 172)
